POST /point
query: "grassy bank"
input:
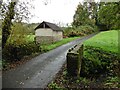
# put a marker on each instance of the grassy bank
(101, 58)
(100, 65)
(56, 44)
(107, 41)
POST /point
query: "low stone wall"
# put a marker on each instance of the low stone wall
(57, 38)
(74, 60)
(44, 39)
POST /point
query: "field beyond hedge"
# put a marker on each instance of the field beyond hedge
(107, 41)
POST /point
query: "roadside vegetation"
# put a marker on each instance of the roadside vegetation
(107, 41)
(100, 65)
(48, 47)
(21, 44)
(79, 31)
(101, 58)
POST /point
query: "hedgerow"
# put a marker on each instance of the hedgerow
(13, 52)
(96, 62)
(80, 31)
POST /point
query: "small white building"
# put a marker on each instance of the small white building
(48, 32)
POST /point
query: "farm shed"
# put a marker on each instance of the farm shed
(47, 32)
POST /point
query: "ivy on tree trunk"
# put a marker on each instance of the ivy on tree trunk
(7, 23)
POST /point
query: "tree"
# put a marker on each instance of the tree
(86, 14)
(81, 16)
(0, 3)
(18, 34)
(109, 15)
(16, 11)
(3, 10)
(6, 25)
(22, 10)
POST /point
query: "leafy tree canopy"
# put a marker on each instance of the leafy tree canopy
(13, 11)
(109, 15)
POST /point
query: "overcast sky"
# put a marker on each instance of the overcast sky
(54, 11)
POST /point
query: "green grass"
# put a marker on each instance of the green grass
(47, 47)
(30, 38)
(59, 43)
(19, 39)
(107, 41)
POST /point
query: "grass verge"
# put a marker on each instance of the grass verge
(107, 41)
(56, 44)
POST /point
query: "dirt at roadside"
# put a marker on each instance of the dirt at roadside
(65, 82)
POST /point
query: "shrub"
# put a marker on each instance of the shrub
(13, 52)
(96, 61)
(80, 31)
(67, 31)
(112, 82)
(54, 86)
(73, 34)
(86, 29)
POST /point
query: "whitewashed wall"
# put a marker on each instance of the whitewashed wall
(48, 35)
(44, 32)
(58, 35)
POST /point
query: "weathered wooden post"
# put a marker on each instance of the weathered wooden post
(74, 59)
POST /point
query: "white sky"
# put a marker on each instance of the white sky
(55, 11)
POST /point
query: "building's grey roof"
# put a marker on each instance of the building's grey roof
(49, 25)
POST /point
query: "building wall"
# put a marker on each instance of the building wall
(58, 35)
(44, 32)
(44, 39)
(47, 35)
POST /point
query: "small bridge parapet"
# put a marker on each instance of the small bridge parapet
(74, 60)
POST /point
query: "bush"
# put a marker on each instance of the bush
(96, 62)
(86, 29)
(73, 34)
(67, 31)
(13, 52)
(54, 86)
(80, 31)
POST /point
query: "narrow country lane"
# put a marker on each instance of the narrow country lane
(39, 71)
